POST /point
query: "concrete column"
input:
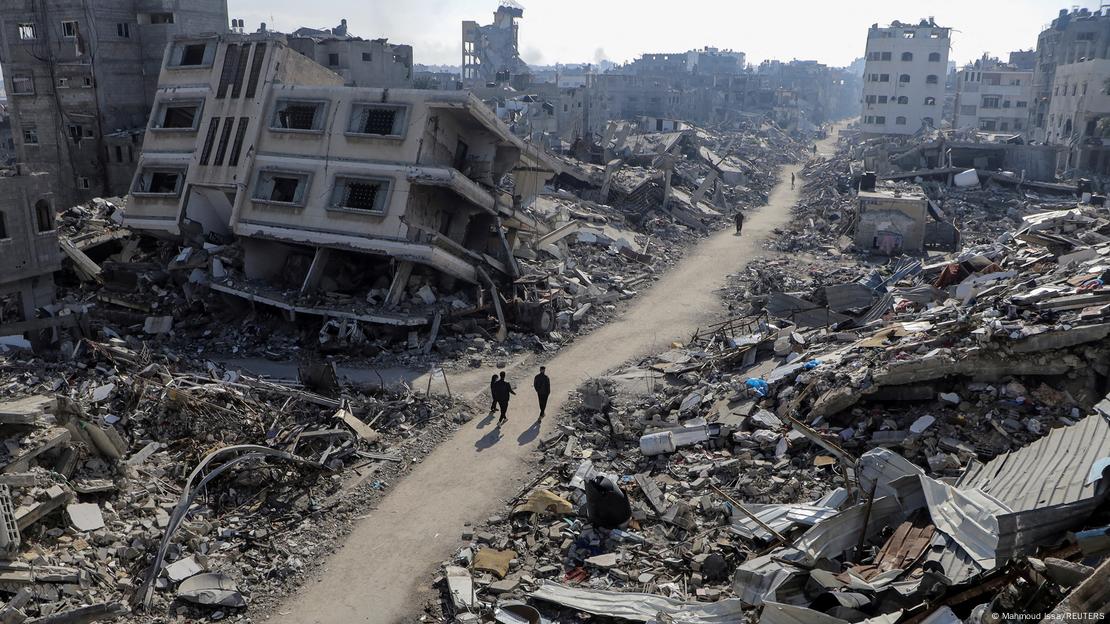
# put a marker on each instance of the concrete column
(316, 270)
(400, 281)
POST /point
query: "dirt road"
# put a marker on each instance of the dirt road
(380, 574)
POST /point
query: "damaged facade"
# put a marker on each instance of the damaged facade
(491, 53)
(81, 78)
(369, 191)
(361, 62)
(1074, 36)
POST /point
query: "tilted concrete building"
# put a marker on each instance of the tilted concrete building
(904, 77)
(81, 76)
(310, 176)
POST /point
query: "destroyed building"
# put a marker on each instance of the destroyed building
(914, 441)
(29, 249)
(1079, 116)
(329, 187)
(361, 62)
(993, 97)
(1073, 37)
(491, 53)
(891, 222)
(904, 78)
(81, 78)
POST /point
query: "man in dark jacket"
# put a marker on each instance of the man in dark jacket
(493, 394)
(501, 392)
(739, 222)
(542, 384)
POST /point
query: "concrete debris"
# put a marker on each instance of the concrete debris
(886, 439)
(85, 516)
(96, 449)
(211, 589)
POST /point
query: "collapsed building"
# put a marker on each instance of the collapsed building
(361, 62)
(491, 53)
(920, 440)
(383, 191)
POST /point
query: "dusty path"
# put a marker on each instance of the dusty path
(380, 573)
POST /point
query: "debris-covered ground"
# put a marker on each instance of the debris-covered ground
(149, 481)
(134, 479)
(868, 439)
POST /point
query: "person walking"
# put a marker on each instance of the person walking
(493, 394)
(502, 390)
(542, 384)
(792, 180)
(739, 222)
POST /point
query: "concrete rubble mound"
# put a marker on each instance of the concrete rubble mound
(141, 481)
(868, 439)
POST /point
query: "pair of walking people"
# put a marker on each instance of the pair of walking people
(501, 390)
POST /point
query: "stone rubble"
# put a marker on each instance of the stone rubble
(831, 361)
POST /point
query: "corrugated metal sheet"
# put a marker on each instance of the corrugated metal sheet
(639, 607)
(957, 565)
(761, 578)
(1049, 472)
(779, 613)
(850, 296)
(880, 308)
(781, 518)
(902, 550)
(832, 537)
(1103, 407)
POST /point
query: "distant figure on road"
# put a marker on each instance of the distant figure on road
(493, 394)
(814, 149)
(542, 384)
(792, 180)
(739, 222)
(501, 392)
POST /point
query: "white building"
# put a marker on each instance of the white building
(903, 81)
(993, 97)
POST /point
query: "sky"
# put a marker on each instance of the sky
(575, 31)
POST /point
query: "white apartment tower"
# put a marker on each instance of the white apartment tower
(903, 81)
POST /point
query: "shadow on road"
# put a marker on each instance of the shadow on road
(487, 420)
(488, 440)
(529, 434)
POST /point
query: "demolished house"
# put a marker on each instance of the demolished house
(388, 195)
(926, 442)
(892, 222)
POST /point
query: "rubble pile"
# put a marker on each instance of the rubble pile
(825, 211)
(136, 480)
(884, 439)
